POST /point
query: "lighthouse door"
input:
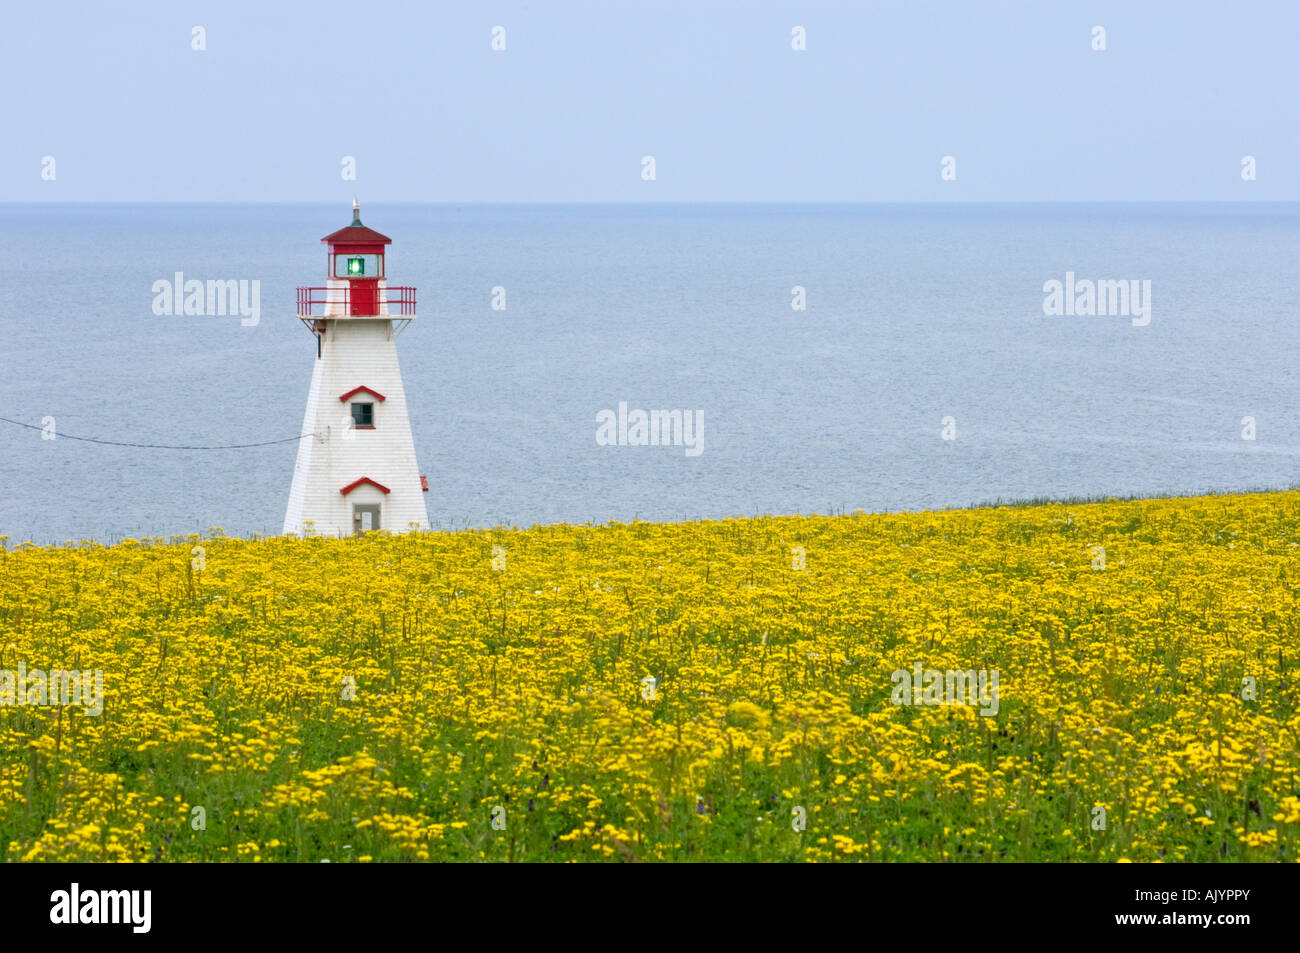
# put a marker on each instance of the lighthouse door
(365, 296)
(365, 518)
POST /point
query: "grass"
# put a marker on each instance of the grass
(397, 698)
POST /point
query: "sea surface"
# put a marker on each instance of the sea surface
(914, 313)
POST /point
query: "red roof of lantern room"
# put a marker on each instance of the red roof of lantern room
(356, 233)
(356, 483)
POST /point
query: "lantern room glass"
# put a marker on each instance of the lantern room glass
(358, 266)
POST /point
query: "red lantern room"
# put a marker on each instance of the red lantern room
(356, 254)
(356, 283)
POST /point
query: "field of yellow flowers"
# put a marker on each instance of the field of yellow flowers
(486, 694)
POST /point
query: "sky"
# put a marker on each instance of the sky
(128, 109)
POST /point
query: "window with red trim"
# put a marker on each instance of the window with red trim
(363, 416)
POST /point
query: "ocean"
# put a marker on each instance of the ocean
(921, 373)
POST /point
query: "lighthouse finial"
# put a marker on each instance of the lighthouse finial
(356, 212)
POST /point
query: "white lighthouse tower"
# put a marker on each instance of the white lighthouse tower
(358, 472)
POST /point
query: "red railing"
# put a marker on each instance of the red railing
(332, 302)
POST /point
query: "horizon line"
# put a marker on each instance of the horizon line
(664, 202)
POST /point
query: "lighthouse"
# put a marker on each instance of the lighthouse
(356, 472)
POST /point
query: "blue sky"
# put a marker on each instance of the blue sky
(1012, 90)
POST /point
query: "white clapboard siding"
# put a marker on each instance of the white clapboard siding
(355, 352)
